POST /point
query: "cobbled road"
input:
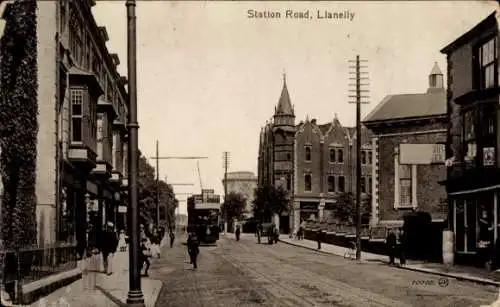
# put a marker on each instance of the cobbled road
(246, 273)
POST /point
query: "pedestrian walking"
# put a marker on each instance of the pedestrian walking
(193, 248)
(172, 238)
(146, 253)
(319, 235)
(259, 232)
(401, 246)
(122, 241)
(237, 232)
(108, 243)
(391, 242)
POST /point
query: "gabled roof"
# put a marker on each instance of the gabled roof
(409, 106)
(284, 105)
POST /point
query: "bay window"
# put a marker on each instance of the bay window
(77, 95)
(479, 134)
(470, 136)
(83, 118)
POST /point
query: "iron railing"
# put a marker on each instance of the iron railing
(25, 265)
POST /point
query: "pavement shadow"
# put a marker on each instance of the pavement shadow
(110, 296)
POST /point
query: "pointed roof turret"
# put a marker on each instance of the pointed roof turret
(284, 105)
(436, 79)
(436, 70)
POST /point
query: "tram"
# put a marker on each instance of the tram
(204, 215)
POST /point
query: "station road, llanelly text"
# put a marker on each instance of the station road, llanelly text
(307, 14)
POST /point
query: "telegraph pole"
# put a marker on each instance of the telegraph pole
(135, 297)
(225, 158)
(357, 73)
(158, 187)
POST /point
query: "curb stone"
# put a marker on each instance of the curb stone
(477, 280)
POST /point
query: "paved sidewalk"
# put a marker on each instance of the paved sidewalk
(100, 290)
(473, 274)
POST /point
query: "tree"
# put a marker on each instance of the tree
(269, 200)
(147, 194)
(345, 208)
(234, 205)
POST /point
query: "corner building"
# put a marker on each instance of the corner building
(315, 163)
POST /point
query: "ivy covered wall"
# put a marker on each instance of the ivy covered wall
(18, 123)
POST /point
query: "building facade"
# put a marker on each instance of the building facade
(409, 137)
(82, 143)
(244, 183)
(473, 179)
(315, 163)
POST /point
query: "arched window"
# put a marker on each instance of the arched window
(308, 153)
(332, 155)
(340, 157)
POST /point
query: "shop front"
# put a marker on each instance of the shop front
(309, 210)
(475, 224)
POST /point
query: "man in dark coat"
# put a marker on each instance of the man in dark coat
(391, 242)
(193, 248)
(108, 243)
(402, 246)
(172, 238)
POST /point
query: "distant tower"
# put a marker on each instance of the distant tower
(436, 79)
(283, 140)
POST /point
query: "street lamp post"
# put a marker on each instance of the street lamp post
(135, 297)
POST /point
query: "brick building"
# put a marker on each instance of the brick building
(409, 133)
(244, 183)
(81, 143)
(473, 180)
(314, 162)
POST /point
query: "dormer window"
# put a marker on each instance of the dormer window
(308, 153)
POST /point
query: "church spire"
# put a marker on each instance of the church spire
(284, 105)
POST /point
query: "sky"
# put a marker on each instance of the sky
(209, 76)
